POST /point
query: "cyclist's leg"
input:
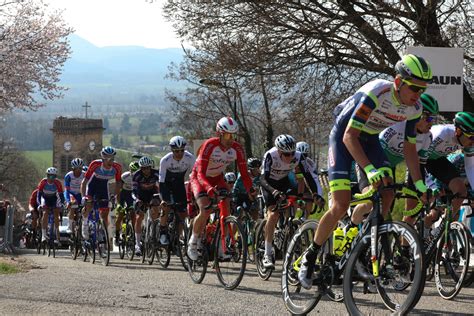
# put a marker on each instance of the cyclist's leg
(179, 195)
(139, 215)
(411, 203)
(44, 222)
(361, 210)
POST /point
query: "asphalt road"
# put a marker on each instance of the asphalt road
(61, 285)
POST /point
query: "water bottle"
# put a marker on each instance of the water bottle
(338, 238)
(350, 235)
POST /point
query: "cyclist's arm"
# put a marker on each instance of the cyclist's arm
(310, 180)
(67, 187)
(409, 149)
(59, 187)
(351, 140)
(118, 181)
(242, 165)
(203, 162)
(266, 168)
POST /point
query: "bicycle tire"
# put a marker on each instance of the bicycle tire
(181, 246)
(162, 252)
(263, 273)
(225, 269)
(458, 236)
(470, 275)
(103, 243)
(197, 268)
(359, 272)
(297, 300)
(130, 241)
(150, 250)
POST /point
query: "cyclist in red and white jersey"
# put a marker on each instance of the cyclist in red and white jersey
(207, 178)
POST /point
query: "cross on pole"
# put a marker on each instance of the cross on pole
(86, 106)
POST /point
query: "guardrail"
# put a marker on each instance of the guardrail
(6, 238)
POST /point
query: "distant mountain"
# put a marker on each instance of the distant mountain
(117, 74)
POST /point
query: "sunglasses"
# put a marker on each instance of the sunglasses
(51, 176)
(289, 154)
(428, 118)
(145, 168)
(228, 136)
(178, 150)
(414, 87)
(110, 159)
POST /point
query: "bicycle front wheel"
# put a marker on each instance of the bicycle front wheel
(365, 294)
(452, 261)
(298, 301)
(103, 243)
(129, 241)
(230, 264)
(263, 273)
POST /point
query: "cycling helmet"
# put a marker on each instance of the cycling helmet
(77, 163)
(413, 66)
(302, 147)
(254, 163)
(107, 151)
(227, 125)
(230, 177)
(85, 168)
(177, 142)
(465, 122)
(145, 161)
(52, 171)
(134, 166)
(430, 105)
(285, 143)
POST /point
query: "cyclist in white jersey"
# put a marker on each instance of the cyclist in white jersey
(354, 137)
(72, 186)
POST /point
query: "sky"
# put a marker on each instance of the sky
(119, 22)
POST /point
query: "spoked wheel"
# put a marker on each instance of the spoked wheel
(366, 295)
(181, 247)
(250, 233)
(230, 265)
(452, 261)
(197, 268)
(129, 241)
(298, 301)
(103, 243)
(76, 247)
(263, 273)
(149, 244)
(470, 275)
(163, 254)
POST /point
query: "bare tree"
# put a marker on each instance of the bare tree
(33, 48)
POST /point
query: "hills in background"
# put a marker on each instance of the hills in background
(117, 74)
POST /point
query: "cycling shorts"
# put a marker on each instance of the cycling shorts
(50, 202)
(146, 200)
(282, 185)
(340, 160)
(442, 169)
(200, 190)
(98, 191)
(126, 198)
(174, 192)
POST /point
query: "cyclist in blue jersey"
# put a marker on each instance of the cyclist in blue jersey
(361, 117)
(72, 185)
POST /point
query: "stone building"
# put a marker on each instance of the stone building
(75, 137)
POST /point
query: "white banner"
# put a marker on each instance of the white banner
(447, 84)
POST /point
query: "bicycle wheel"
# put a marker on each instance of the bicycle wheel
(262, 272)
(103, 243)
(230, 265)
(39, 244)
(249, 226)
(181, 247)
(163, 252)
(470, 275)
(452, 261)
(75, 242)
(149, 243)
(197, 268)
(130, 241)
(363, 293)
(298, 301)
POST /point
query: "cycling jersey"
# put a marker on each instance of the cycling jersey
(274, 169)
(48, 193)
(97, 177)
(34, 199)
(173, 170)
(314, 174)
(72, 185)
(239, 187)
(392, 140)
(126, 179)
(212, 161)
(145, 186)
(371, 109)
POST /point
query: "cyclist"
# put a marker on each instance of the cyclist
(240, 195)
(230, 178)
(95, 187)
(360, 118)
(49, 189)
(174, 167)
(207, 179)
(145, 189)
(278, 162)
(72, 184)
(303, 148)
(126, 198)
(33, 207)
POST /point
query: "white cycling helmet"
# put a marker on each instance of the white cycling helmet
(107, 152)
(145, 161)
(230, 177)
(177, 142)
(77, 163)
(52, 171)
(227, 125)
(302, 147)
(286, 143)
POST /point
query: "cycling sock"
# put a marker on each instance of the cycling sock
(312, 252)
(138, 236)
(43, 231)
(193, 239)
(268, 248)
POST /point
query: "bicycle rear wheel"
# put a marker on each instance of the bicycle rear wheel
(230, 266)
(363, 293)
(103, 243)
(298, 301)
(129, 241)
(263, 273)
(149, 244)
(163, 252)
(452, 261)
(181, 246)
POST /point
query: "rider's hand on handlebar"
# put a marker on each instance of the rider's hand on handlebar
(318, 200)
(211, 192)
(278, 195)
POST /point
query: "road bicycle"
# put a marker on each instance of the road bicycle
(98, 241)
(126, 240)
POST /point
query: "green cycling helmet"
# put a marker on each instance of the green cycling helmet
(134, 166)
(413, 66)
(430, 104)
(465, 122)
